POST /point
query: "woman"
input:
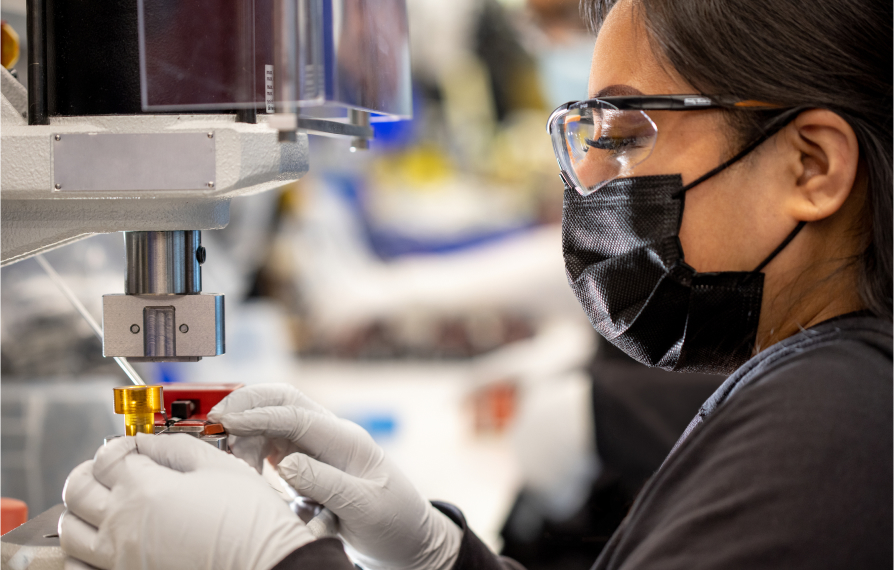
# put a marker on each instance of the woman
(771, 170)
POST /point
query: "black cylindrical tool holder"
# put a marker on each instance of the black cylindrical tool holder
(38, 110)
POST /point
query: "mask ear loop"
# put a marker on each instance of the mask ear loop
(778, 124)
(776, 251)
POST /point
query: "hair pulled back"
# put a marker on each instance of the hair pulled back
(830, 54)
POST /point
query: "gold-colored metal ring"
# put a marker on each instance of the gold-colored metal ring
(139, 404)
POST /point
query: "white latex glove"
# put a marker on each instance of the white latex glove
(383, 518)
(172, 501)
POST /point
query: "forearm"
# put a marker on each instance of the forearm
(474, 554)
(323, 553)
(328, 553)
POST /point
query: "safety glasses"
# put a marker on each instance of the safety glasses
(599, 140)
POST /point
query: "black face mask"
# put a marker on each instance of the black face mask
(625, 264)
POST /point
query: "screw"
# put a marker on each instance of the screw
(184, 329)
(201, 254)
(58, 137)
(210, 135)
(57, 186)
(210, 185)
(135, 329)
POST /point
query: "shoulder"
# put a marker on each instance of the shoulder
(794, 470)
(828, 400)
(825, 405)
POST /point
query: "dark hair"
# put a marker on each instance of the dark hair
(826, 54)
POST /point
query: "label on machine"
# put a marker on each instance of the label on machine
(114, 162)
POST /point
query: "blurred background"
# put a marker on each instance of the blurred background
(417, 289)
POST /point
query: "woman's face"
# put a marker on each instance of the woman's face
(733, 221)
(729, 222)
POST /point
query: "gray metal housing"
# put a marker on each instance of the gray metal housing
(36, 217)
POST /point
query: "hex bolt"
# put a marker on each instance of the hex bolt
(135, 329)
(201, 254)
(57, 186)
(184, 328)
(58, 137)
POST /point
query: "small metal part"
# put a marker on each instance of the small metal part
(139, 404)
(184, 329)
(58, 137)
(57, 186)
(211, 135)
(217, 440)
(191, 430)
(361, 119)
(135, 328)
(210, 184)
(201, 255)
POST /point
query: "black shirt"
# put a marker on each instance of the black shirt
(787, 465)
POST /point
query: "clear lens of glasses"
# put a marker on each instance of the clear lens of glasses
(597, 144)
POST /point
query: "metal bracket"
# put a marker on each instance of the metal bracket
(198, 326)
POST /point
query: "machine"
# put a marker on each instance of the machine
(148, 117)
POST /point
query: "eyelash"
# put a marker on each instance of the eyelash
(610, 144)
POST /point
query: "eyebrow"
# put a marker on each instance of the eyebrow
(616, 90)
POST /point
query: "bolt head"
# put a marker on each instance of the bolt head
(57, 186)
(210, 185)
(135, 329)
(210, 135)
(58, 137)
(201, 254)
(184, 328)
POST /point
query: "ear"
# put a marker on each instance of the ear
(823, 164)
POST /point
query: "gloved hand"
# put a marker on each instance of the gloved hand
(383, 518)
(172, 501)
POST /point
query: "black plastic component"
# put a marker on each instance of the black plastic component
(201, 254)
(37, 63)
(183, 409)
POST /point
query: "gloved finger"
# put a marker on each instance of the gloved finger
(75, 564)
(109, 459)
(340, 443)
(279, 449)
(251, 449)
(84, 496)
(341, 493)
(80, 540)
(261, 396)
(184, 453)
(124, 471)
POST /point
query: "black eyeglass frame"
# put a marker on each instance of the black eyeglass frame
(657, 103)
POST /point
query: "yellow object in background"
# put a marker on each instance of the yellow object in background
(9, 46)
(139, 404)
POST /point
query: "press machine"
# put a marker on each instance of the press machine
(148, 117)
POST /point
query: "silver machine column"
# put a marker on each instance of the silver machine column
(163, 316)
